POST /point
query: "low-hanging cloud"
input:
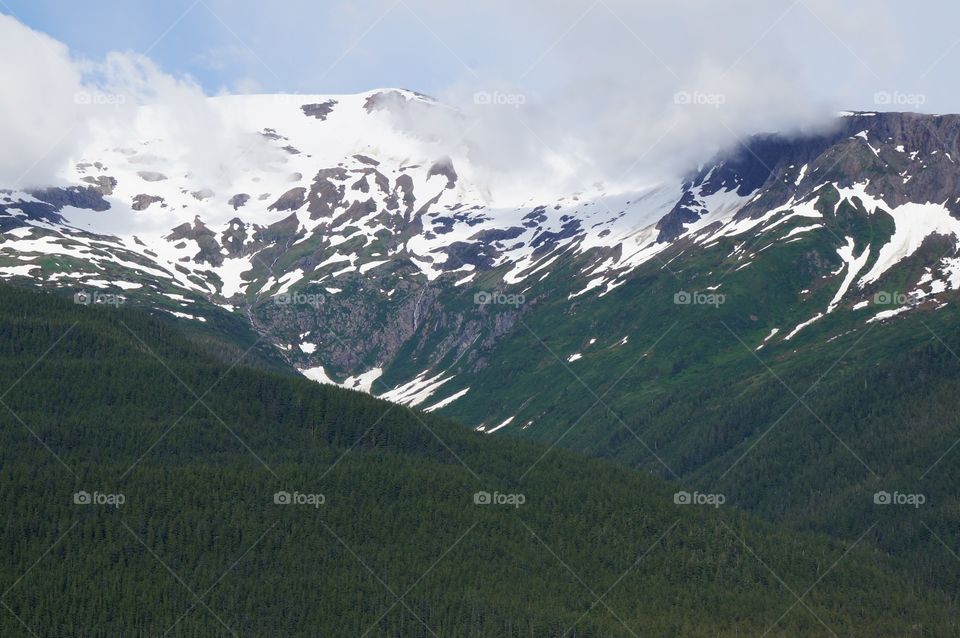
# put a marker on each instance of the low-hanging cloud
(54, 105)
(626, 92)
(39, 115)
(549, 96)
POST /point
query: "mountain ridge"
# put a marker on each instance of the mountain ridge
(361, 225)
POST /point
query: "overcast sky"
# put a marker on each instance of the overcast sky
(842, 50)
(610, 84)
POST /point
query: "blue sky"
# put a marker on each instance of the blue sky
(257, 46)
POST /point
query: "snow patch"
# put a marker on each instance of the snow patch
(501, 426)
(445, 402)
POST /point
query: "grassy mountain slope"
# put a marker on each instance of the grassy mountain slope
(803, 431)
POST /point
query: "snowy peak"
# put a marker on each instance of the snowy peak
(339, 201)
(337, 179)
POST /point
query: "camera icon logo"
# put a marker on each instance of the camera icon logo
(885, 298)
(82, 298)
(482, 298)
(282, 498)
(682, 98)
(82, 498)
(482, 98)
(682, 498)
(882, 498)
(683, 298)
(482, 498)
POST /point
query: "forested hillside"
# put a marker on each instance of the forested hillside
(187, 457)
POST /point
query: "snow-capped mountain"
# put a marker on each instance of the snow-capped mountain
(343, 185)
(374, 260)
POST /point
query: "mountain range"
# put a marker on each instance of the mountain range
(350, 222)
(772, 335)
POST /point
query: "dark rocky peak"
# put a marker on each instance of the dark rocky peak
(384, 100)
(904, 157)
(319, 111)
(397, 99)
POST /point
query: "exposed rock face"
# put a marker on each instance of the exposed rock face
(291, 200)
(238, 200)
(387, 233)
(383, 100)
(86, 197)
(325, 194)
(143, 202)
(686, 211)
(234, 237)
(366, 160)
(204, 237)
(32, 211)
(102, 183)
(883, 148)
(396, 99)
(319, 111)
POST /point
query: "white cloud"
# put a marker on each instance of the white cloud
(178, 111)
(40, 119)
(588, 90)
(625, 92)
(53, 105)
